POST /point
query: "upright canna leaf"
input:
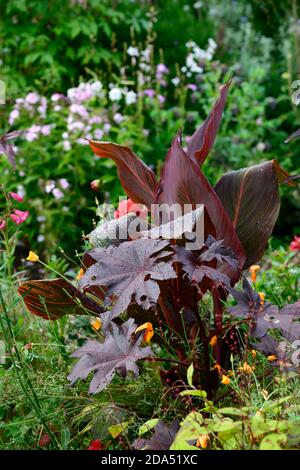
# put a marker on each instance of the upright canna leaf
(251, 197)
(52, 299)
(203, 139)
(184, 183)
(138, 180)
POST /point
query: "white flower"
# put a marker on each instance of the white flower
(118, 118)
(57, 108)
(50, 185)
(40, 238)
(82, 141)
(212, 43)
(71, 93)
(198, 5)
(66, 145)
(65, 135)
(115, 94)
(106, 127)
(190, 44)
(98, 134)
(96, 87)
(175, 81)
(261, 146)
(130, 97)
(133, 51)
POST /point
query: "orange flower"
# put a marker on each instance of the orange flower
(262, 296)
(96, 324)
(253, 270)
(148, 327)
(272, 358)
(218, 367)
(246, 368)
(254, 353)
(213, 341)
(203, 441)
(225, 380)
(80, 274)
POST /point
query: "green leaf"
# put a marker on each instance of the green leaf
(189, 374)
(194, 393)
(234, 411)
(274, 441)
(117, 429)
(148, 425)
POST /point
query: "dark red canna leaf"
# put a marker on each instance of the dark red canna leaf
(138, 180)
(52, 299)
(203, 139)
(7, 148)
(293, 136)
(184, 183)
(119, 353)
(251, 197)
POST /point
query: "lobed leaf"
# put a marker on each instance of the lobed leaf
(118, 354)
(130, 272)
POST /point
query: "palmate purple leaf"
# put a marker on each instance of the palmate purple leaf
(266, 317)
(130, 272)
(216, 250)
(197, 270)
(162, 439)
(118, 354)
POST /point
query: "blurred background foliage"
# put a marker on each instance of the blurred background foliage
(167, 59)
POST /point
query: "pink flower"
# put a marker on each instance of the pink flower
(295, 244)
(192, 87)
(32, 98)
(127, 206)
(18, 217)
(16, 197)
(149, 92)
(2, 224)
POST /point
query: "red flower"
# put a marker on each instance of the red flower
(295, 244)
(95, 444)
(127, 206)
(16, 197)
(18, 217)
(44, 440)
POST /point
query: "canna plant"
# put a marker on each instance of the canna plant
(155, 280)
